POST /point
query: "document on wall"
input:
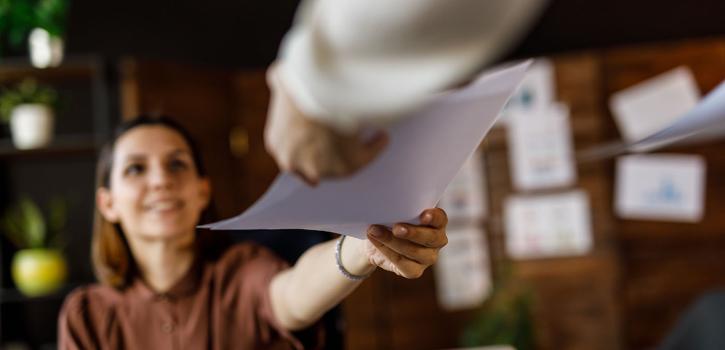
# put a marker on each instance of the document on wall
(704, 122)
(551, 225)
(463, 272)
(536, 92)
(465, 197)
(425, 152)
(648, 107)
(540, 149)
(665, 187)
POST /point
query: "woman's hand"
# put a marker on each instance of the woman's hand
(408, 249)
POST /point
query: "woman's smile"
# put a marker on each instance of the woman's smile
(164, 206)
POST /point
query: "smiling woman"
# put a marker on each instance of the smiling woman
(124, 161)
(164, 283)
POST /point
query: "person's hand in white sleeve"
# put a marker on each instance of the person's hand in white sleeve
(346, 65)
(310, 148)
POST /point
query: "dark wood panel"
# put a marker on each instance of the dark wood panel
(202, 101)
(257, 169)
(667, 265)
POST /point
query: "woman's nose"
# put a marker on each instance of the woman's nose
(159, 177)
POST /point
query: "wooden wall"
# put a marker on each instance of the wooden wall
(665, 266)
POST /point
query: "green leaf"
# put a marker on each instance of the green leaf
(51, 15)
(34, 224)
(25, 225)
(13, 232)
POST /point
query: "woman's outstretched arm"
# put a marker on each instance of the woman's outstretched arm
(303, 293)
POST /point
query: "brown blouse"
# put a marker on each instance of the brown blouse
(221, 304)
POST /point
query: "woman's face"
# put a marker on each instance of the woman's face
(155, 191)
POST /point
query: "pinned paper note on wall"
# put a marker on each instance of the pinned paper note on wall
(540, 149)
(666, 187)
(535, 93)
(551, 225)
(465, 197)
(645, 108)
(463, 273)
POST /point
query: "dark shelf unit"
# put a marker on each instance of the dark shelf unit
(87, 87)
(60, 146)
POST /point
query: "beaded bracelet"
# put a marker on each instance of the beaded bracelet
(343, 270)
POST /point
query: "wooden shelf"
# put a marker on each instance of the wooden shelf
(76, 67)
(61, 145)
(12, 295)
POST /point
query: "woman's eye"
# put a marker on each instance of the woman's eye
(178, 164)
(133, 169)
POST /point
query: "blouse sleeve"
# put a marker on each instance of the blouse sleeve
(345, 62)
(75, 330)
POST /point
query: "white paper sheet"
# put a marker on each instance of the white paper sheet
(666, 187)
(706, 121)
(550, 225)
(463, 272)
(540, 149)
(425, 152)
(648, 107)
(465, 197)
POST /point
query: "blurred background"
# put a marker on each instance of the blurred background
(546, 252)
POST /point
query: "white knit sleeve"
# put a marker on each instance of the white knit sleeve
(366, 61)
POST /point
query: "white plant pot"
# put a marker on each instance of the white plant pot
(31, 125)
(46, 50)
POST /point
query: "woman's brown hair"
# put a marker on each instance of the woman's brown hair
(113, 263)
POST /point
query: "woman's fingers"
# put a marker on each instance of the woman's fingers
(408, 249)
(422, 235)
(413, 251)
(434, 217)
(390, 260)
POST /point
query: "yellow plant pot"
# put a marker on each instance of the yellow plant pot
(39, 272)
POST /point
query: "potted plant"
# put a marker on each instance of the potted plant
(42, 22)
(45, 42)
(38, 267)
(505, 318)
(29, 110)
